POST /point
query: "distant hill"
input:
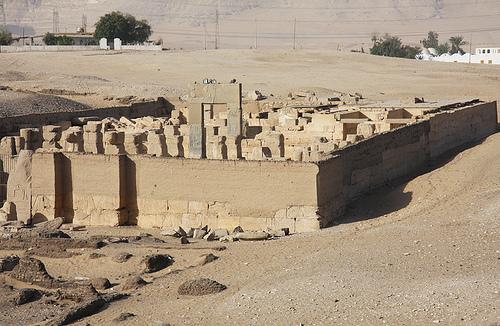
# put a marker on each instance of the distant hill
(336, 24)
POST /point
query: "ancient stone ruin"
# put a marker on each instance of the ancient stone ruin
(213, 163)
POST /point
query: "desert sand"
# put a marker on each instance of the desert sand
(417, 252)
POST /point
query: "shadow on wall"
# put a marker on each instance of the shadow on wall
(383, 201)
(392, 197)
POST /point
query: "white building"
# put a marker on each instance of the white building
(482, 56)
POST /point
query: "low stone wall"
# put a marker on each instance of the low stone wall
(142, 47)
(161, 192)
(47, 48)
(402, 152)
(152, 192)
(158, 108)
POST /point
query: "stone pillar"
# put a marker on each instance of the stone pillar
(134, 143)
(72, 140)
(51, 137)
(174, 141)
(197, 142)
(113, 142)
(32, 138)
(233, 146)
(234, 122)
(8, 146)
(157, 145)
(92, 138)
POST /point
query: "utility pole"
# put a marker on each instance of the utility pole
(23, 36)
(294, 33)
(55, 21)
(470, 48)
(205, 35)
(2, 11)
(217, 28)
(84, 23)
(256, 34)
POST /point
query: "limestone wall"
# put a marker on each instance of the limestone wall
(451, 129)
(403, 152)
(171, 192)
(160, 191)
(13, 124)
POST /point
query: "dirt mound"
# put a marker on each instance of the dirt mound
(202, 286)
(26, 296)
(133, 283)
(32, 270)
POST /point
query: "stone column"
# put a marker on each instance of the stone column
(32, 138)
(113, 142)
(72, 140)
(197, 142)
(51, 137)
(134, 143)
(92, 138)
(157, 145)
(8, 146)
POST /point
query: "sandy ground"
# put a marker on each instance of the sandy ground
(418, 253)
(429, 254)
(271, 71)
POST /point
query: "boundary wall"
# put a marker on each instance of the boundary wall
(158, 108)
(47, 48)
(162, 192)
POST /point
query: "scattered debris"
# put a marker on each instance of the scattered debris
(205, 259)
(122, 257)
(202, 286)
(124, 316)
(155, 263)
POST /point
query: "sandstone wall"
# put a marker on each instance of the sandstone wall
(451, 129)
(171, 192)
(161, 192)
(403, 152)
(13, 124)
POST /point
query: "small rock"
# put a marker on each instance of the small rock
(124, 316)
(228, 238)
(210, 236)
(58, 234)
(238, 229)
(155, 263)
(100, 283)
(219, 233)
(133, 283)
(95, 255)
(26, 296)
(170, 233)
(8, 263)
(184, 240)
(202, 286)
(252, 236)
(116, 240)
(199, 233)
(181, 231)
(122, 257)
(205, 259)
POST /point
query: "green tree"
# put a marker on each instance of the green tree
(391, 46)
(456, 44)
(432, 40)
(51, 39)
(443, 48)
(122, 26)
(5, 37)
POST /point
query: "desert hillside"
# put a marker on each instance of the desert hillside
(329, 24)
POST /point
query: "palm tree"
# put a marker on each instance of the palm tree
(456, 43)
